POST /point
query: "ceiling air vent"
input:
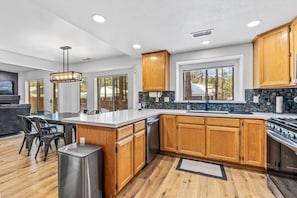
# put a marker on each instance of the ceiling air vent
(202, 33)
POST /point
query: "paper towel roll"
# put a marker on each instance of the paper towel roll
(279, 104)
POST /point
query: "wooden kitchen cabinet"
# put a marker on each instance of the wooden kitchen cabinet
(139, 146)
(155, 71)
(191, 136)
(222, 135)
(253, 143)
(272, 58)
(124, 153)
(168, 133)
(293, 49)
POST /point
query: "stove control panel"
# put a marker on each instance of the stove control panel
(282, 130)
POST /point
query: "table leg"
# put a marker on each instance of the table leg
(68, 132)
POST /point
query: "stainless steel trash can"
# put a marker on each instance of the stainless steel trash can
(80, 171)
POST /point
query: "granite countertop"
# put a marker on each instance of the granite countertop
(120, 118)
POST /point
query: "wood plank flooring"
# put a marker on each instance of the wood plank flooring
(24, 176)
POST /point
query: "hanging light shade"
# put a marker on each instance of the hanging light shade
(66, 75)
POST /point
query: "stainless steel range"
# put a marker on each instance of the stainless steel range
(282, 156)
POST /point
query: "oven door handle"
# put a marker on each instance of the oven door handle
(279, 139)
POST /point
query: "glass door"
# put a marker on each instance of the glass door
(55, 97)
(112, 93)
(36, 95)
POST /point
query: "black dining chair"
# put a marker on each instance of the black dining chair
(44, 112)
(47, 134)
(93, 112)
(30, 132)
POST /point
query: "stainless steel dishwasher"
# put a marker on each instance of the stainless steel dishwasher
(152, 138)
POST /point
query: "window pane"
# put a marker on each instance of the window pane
(194, 85)
(121, 92)
(112, 93)
(217, 82)
(83, 94)
(105, 93)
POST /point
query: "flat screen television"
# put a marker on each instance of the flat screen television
(6, 87)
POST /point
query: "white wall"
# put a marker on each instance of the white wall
(245, 49)
(36, 75)
(69, 92)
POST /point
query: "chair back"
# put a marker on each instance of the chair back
(26, 124)
(41, 124)
(44, 112)
(96, 111)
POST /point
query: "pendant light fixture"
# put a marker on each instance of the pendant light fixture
(66, 75)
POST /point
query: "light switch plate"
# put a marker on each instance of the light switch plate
(166, 99)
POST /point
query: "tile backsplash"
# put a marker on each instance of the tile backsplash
(266, 101)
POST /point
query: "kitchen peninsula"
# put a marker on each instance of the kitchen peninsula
(115, 132)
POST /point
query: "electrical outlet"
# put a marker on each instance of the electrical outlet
(166, 99)
(256, 99)
(82, 140)
(153, 94)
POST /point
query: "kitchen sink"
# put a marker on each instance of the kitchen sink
(240, 112)
(204, 111)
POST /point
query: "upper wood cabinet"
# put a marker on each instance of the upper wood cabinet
(272, 58)
(155, 71)
(253, 142)
(293, 49)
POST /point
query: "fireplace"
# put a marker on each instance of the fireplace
(9, 99)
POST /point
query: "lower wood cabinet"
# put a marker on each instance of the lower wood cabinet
(223, 143)
(124, 162)
(253, 143)
(240, 141)
(168, 133)
(191, 139)
(139, 151)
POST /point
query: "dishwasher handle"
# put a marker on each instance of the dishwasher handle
(150, 122)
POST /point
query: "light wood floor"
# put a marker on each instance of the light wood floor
(23, 176)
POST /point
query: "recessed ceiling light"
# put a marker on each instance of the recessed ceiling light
(99, 18)
(254, 23)
(205, 42)
(136, 46)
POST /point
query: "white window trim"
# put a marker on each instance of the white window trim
(238, 76)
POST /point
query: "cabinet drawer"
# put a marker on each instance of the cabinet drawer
(124, 131)
(139, 125)
(231, 122)
(190, 119)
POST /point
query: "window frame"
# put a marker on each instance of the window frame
(236, 60)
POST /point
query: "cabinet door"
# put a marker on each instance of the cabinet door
(124, 162)
(293, 46)
(223, 143)
(139, 151)
(253, 143)
(274, 58)
(191, 139)
(168, 133)
(155, 71)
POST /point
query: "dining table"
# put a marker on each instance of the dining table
(56, 118)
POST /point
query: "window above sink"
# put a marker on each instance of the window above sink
(217, 79)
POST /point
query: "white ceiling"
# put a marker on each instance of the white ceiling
(35, 29)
